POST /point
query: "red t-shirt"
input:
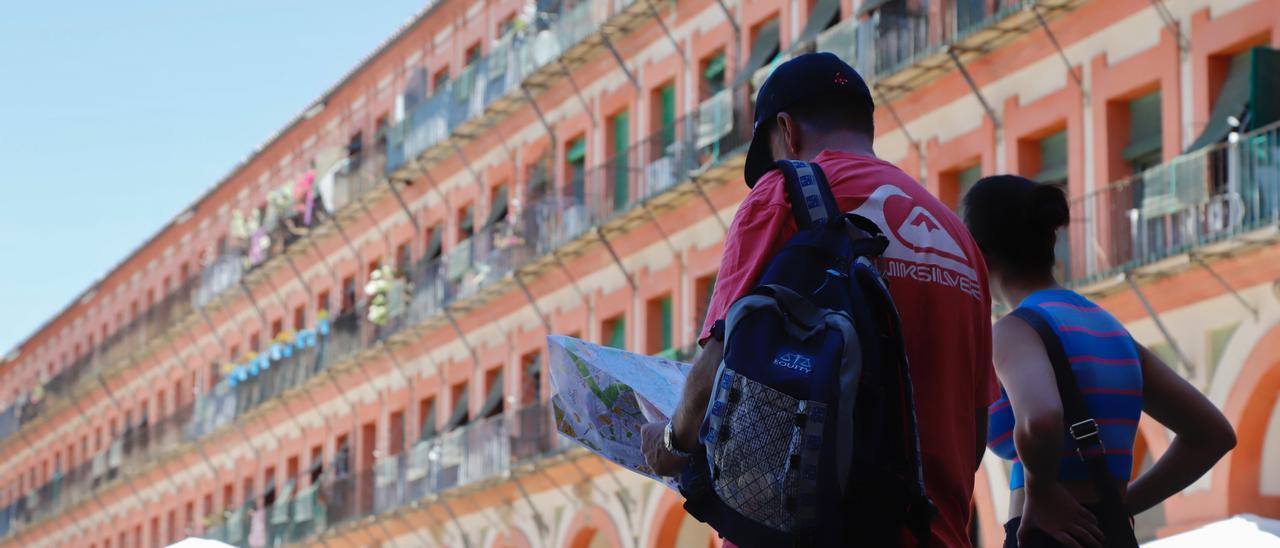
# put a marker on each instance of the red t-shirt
(938, 280)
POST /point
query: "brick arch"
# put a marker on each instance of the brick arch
(1249, 409)
(586, 523)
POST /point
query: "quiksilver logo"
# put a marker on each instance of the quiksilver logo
(795, 362)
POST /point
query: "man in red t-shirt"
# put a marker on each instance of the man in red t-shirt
(816, 108)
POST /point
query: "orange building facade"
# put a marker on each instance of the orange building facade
(342, 342)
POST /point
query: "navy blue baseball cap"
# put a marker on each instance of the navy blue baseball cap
(813, 78)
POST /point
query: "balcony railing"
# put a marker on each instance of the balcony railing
(487, 80)
(326, 497)
(1190, 204)
(149, 324)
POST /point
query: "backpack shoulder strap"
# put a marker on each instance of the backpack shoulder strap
(1080, 424)
(810, 195)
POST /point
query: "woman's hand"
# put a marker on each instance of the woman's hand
(1054, 512)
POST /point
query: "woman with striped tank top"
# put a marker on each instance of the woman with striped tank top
(1057, 499)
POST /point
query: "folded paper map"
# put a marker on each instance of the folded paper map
(602, 396)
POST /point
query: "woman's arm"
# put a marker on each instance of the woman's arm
(1201, 434)
(1023, 367)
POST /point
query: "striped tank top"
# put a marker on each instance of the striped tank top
(1109, 372)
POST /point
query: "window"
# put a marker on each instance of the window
(299, 318)
(440, 81)
(255, 342)
(435, 237)
(658, 321)
(619, 135)
(766, 47)
(531, 385)
(348, 295)
(355, 148)
(614, 331)
(472, 55)
(1145, 133)
(956, 183)
(277, 327)
(322, 302)
(663, 118)
(493, 400)
(461, 407)
(575, 161)
(713, 81)
(1053, 171)
(426, 418)
(184, 272)
(402, 259)
(498, 198)
(466, 221)
(395, 442)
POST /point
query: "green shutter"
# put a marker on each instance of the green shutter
(618, 336)
(576, 151)
(1232, 98)
(621, 165)
(668, 99)
(1053, 158)
(666, 323)
(714, 73)
(1144, 127)
(575, 155)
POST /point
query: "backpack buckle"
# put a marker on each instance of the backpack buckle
(1086, 433)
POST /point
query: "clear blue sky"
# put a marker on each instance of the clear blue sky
(116, 115)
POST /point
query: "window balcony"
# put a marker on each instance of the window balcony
(1214, 201)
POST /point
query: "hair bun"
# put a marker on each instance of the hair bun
(1048, 207)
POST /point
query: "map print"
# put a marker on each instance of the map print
(602, 396)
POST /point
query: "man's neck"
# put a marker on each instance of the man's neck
(849, 143)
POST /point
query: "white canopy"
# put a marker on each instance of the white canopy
(194, 542)
(1240, 530)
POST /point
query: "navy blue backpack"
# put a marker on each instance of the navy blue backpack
(810, 435)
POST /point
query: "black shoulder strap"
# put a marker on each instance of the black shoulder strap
(1079, 422)
(811, 200)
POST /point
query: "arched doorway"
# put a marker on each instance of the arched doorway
(1253, 484)
(674, 528)
(592, 527)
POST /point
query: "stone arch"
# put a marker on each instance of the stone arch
(589, 522)
(1249, 407)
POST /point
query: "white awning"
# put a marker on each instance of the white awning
(1241, 530)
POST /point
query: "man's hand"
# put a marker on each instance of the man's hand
(655, 451)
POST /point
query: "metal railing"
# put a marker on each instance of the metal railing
(148, 324)
(326, 497)
(488, 79)
(1189, 202)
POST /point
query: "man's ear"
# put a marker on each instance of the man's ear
(789, 134)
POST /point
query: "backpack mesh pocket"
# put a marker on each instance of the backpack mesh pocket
(755, 451)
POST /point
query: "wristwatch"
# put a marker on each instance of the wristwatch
(669, 444)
